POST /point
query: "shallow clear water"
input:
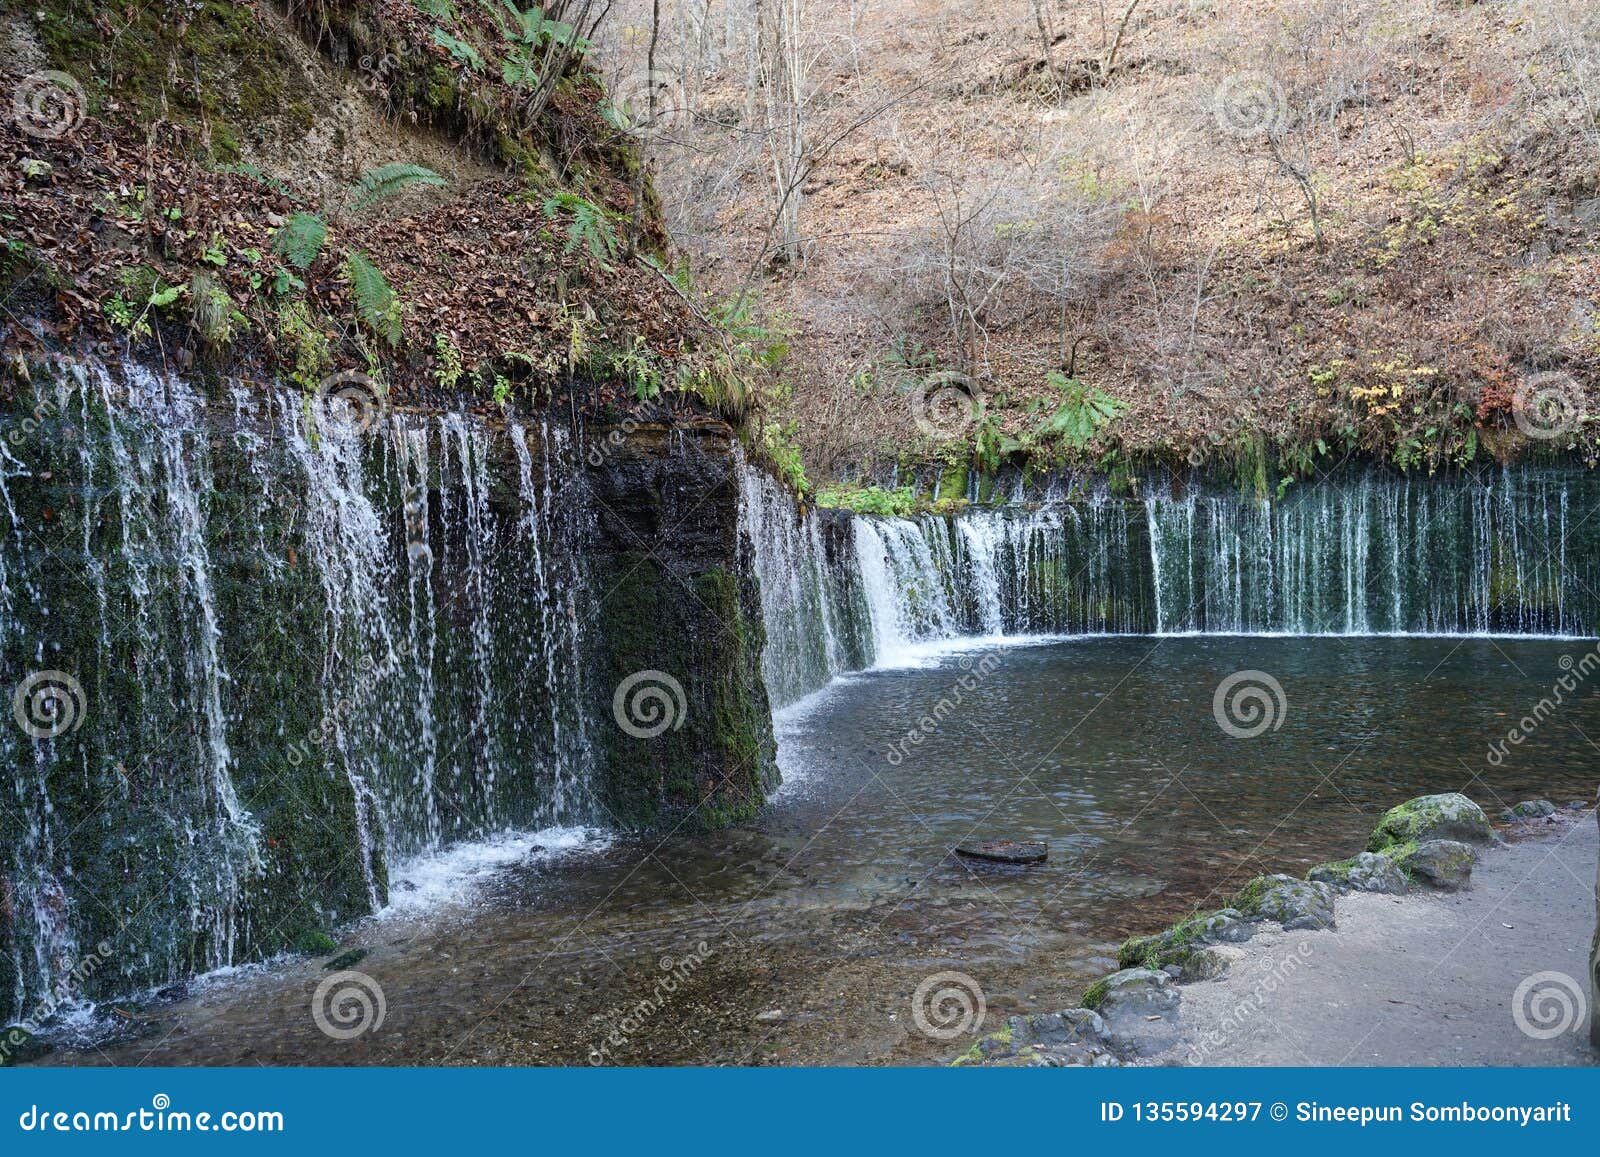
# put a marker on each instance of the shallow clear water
(843, 896)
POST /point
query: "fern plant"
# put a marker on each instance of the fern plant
(527, 33)
(387, 180)
(590, 226)
(376, 303)
(300, 239)
(460, 51)
(1083, 411)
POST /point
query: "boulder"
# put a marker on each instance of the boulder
(1140, 1008)
(1077, 1037)
(1451, 816)
(1184, 939)
(1533, 809)
(1291, 902)
(1367, 872)
(1444, 864)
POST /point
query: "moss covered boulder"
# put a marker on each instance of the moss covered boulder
(1293, 903)
(1366, 872)
(1187, 944)
(1451, 816)
(1445, 864)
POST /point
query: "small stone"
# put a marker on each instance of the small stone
(34, 169)
(1445, 864)
(772, 1016)
(1578, 805)
(1533, 809)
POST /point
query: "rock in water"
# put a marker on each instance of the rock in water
(1445, 864)
(1451, 816)
(1367, 872)
(1006, 851)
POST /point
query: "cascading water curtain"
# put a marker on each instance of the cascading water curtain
(261, 654)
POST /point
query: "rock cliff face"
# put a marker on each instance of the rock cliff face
(679, 612)
(259, 658)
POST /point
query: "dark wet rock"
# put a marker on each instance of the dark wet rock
(1076, 1037)
(1293, 903)
(1451, 816)
(346, 960)
(1534, 809)
(1366, 872)
(19, 1046)
(1443, 864)
(1005, 851)
(1578, 805)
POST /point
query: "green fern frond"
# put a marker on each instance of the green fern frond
(460, 50)
(387, 180)
(300, 239)
(376, 303)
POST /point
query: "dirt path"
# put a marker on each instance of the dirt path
(1425, 979)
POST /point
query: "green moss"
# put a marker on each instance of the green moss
(315, 944)
(1248, 899)
(346, 960)
(1095, 995)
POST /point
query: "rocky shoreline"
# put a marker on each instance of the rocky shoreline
(1136, 1015)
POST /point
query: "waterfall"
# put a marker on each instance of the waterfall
(808, 603)
(291, 654)
(1503, 550)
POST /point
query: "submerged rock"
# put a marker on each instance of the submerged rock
(1444, 864)
(1451, 816)
(1366, 872)
(1005, 851)
(1293, 903)
(18, 1046)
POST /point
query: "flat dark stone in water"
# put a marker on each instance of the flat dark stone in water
(1006, 851)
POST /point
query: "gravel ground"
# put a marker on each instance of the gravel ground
(1425, 979)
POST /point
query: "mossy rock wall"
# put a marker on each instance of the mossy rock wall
(303, 656)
